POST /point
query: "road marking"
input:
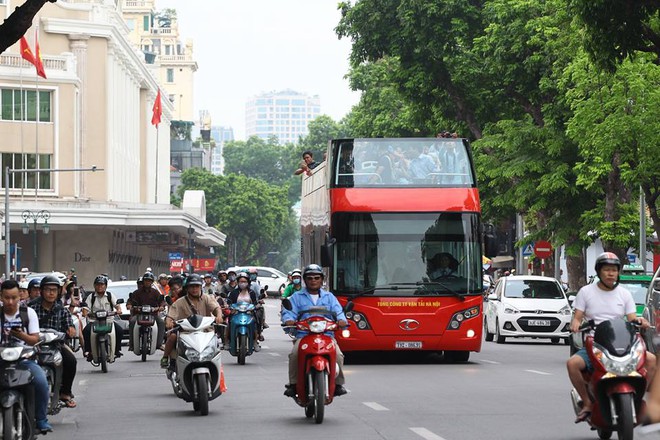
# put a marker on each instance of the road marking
(274, 354)
(265, 346)
(82, 382)
(543, 373)
(375, 406)
(425, 433)
(486, 361)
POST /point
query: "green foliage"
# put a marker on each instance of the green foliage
(181, 130)
(254, 215)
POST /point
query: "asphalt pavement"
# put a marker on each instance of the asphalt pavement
(517, 390)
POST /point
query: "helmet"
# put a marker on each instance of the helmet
(313, 269)
(175, 280)
(148, 276)
(208, 275)
(194, 280)
(252, 270)
(296, 273)
(222, 272)
(101, 280)
(607, 258)
(50, 280)
(34, 282)
(162, 276)
(243, 275)
(23, 285)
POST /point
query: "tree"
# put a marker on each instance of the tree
(165, 17)
(254, 215)
(17, 24)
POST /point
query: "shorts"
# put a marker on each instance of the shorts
(583, 354)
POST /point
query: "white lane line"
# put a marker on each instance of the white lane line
(82, 382)
(542, 373)
(486, 361)
(265, 346)
(425, 433)
(375, 406)
(274, 354)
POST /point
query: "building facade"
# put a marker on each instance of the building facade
(221, 135)
(285, 114)
(106, 197)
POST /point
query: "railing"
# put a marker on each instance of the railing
(139, 3)
(161, 30)
(50, 63)
(170, 58)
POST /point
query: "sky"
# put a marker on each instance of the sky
(247, 47)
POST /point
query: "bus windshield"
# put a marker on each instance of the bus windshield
(407, 254)
(432, 162)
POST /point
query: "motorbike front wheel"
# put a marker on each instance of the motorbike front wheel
(103, 357)
(319, 395)
(8, 423)
(624, 409)
(242, 349)
(203, 394)
(143, 346)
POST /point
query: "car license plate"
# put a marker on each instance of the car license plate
(408, 344)
(538, 322)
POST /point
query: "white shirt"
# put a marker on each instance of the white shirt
(603, 305)
(33, 325)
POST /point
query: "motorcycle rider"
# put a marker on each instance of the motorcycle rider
(52, 314)
(296, 284)
(162, 285)
(243, 293)
(222, 280)
(146, 296)
(260, 313)
(601, 301)
(230, 285)
(176, 285)
(28, 334)
(312, 295)
(193, 302)
(33, 288)
(101, 299)
(208, 287)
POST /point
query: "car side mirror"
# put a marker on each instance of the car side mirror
(571, 298)
(492, 297)
(273, 275)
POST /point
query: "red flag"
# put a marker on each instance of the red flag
(158, 110)
(26, 52)
(38, 63)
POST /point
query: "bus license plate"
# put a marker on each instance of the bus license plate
(408, 344)
(538, 322)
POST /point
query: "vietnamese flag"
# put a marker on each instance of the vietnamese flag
(26, 52)
(157, 110)
(38, 63)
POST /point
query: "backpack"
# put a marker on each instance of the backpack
(22, 313)
(107, 295)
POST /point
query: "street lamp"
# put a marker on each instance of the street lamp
(35, 216)
(191, 248)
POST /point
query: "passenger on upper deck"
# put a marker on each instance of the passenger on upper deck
(307, 164)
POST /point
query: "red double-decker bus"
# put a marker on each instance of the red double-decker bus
(397, 224)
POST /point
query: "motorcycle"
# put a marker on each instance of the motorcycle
(78, 324)
(317, 366)
(145, 332)
(196, 374)
(49, 357)
(242, 330)
(16, 395)
(103, 339)
(617, 383)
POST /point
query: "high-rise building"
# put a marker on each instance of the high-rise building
(285, 114)
(221, 135)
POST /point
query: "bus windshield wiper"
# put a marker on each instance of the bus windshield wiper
(355, 293)
(424, 285)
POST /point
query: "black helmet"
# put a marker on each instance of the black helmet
(34, 282)
(148, 276)
(607, 258)
(194, 280)
(101, 279)
(313, 269)
(49, 280)
(175, 280)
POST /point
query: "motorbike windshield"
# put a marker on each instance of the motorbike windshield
(615, 336)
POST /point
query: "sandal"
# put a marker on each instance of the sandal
(68, 402)
(583, 415)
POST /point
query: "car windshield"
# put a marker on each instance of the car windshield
(532, 289)
(638, 289)
(122, 291)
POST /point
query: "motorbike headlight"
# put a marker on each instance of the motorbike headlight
(510, 309)
(317, 326)
(192, 354)
(566, 310)
(146, 309)
(11, 354)
(623, 365)
(243, 308)
(101, 314)
(207, 354)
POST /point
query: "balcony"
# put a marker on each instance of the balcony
(61, 63)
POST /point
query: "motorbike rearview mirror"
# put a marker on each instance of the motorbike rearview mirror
(120, 301)
(223, 295)
(348, 307)
(262, 295)
(287, 304)
(168, 300)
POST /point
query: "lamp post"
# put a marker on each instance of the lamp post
(191, 249)
(35, 216)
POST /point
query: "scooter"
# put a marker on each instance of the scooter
(49, 357)
(76, 317)
(145, 332)
(196, 374)
(618, 381)
(242, 330)
(317, 365)
(16, 395)
(103, 339)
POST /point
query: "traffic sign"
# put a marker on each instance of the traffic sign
(175, 255)
(528, 250)
(543, 249)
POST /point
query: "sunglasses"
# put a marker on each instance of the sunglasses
(313, 277)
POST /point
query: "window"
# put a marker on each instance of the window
(168, 49)
(27, 162)
(145, 22)
(23, 107)
(282, 102)
(129, 22)
(170, 75)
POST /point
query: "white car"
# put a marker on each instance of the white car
(527, 306)
(267, 276)
(121, 290)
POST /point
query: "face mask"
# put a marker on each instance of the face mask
(243, 285)
(232, 277)
(296, 281)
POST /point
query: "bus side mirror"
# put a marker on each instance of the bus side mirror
(327, 251)
(491, 247)
(348, 307)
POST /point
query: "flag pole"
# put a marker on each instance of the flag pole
(22, 122)
(157, 166)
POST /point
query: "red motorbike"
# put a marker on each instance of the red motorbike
(617, 383)
(317, 366)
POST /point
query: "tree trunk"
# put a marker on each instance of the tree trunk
(17, 24)
(576, 267)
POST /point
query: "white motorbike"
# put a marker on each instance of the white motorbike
(195, 376)
(145, 332)
(78, 324)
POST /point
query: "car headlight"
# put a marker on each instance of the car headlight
(317, 326)
(510, 309)
(621, 366)
(11, 354)
(566, 310)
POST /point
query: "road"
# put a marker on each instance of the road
(517, 390)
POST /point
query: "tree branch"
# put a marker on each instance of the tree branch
(17, 24)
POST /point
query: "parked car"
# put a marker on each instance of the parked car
(268, 276)
(527, 306)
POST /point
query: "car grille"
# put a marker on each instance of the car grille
(554, 324)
